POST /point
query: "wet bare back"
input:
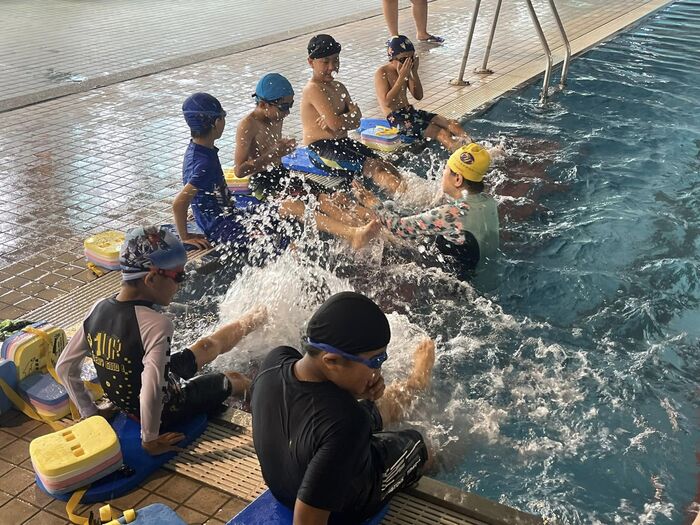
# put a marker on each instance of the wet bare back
(320, 99)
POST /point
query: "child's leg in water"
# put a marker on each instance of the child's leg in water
(399, 396)
(357, 236)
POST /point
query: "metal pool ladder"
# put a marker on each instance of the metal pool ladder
(459, 81)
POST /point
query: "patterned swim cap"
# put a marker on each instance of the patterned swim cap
(149, 247)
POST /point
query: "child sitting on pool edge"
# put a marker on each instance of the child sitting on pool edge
(328, 113)
(129, 342)
(392, 80)
(465, 228)
(212, 205)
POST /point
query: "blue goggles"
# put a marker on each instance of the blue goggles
(375, 362)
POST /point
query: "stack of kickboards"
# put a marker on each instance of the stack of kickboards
(102, 249)
(76, 456)
(381, 138)
(31, 354)
(237, 185)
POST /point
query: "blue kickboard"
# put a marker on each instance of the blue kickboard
(299, 160)
(155, 514)
(140, 462)
(8, 372)
(367, 123)
(266, 510)
(44, 389)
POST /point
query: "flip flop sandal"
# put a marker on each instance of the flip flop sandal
(432, 39)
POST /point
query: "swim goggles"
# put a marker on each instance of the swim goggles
(177, 276)
(374, 363)
(282, 106)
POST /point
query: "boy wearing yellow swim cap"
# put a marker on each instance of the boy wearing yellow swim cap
(466, 226)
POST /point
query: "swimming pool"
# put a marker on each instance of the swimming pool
(570, 390)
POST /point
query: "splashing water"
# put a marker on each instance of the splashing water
(570, 390)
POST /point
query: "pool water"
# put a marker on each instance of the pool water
(570, 389)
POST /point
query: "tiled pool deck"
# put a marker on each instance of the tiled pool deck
(110, 157)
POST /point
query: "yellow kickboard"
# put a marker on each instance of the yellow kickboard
(30, 352)
(231, 179)
(106, 245)
(88, 442)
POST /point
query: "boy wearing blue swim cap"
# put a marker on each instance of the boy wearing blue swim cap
(205, 187)
(259, 142)
(129, 342)
(391, 83)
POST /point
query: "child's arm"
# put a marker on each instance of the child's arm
(443, 220)
(327, 116)
(156, 335)
(180, 204)
(68, 370)
(415, 86)
(246, 162)
(387, 93)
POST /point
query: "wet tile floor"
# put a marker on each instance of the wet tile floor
(21, 502)
(111, 158)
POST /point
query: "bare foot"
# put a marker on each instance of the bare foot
(423, 362)
(240, 384)
(254, 318)
(364, 234)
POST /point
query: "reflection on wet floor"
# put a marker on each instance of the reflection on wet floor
(111, 158)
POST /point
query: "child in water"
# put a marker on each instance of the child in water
(466, 227)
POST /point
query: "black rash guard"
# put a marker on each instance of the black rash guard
(313, 441)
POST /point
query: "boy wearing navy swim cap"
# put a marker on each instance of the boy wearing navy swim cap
(205, 187)
(129, 342)
(391, 83)
(328, 113)
(322, 452)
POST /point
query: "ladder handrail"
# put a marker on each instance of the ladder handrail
(548, 53)
(459, 81)
(567, 55)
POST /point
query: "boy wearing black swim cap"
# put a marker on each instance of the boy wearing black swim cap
(322, 452)
(129, 342)
(328, 113)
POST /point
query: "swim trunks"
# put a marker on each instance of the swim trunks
(400, 456)
(198, 394)
(272, 182)
(411, 121)
(343, 157)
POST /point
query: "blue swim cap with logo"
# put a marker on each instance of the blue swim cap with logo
(273, 86)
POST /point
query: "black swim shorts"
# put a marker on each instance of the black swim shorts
(199, 394)
(342, 157)
(411, 121)
(400, 455)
